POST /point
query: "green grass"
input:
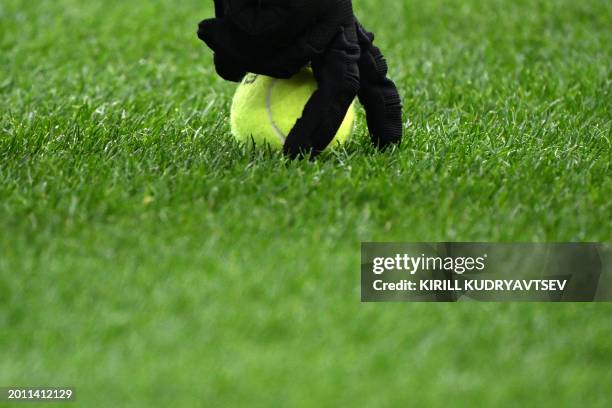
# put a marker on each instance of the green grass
(148, 260)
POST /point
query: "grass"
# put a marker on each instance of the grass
(147, 259)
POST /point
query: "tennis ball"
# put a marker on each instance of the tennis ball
(265, 109)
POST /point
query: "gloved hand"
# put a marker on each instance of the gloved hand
(278, 37)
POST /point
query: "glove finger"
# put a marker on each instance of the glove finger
(373, 66)
(221, 37)
(206, 31)
(228, 69)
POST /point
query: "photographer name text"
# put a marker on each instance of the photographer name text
(489, 285)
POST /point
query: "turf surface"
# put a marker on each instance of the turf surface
(148, 260)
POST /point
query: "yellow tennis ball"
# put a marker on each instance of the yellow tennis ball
(265, 109)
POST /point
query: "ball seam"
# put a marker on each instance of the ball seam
(278, 132)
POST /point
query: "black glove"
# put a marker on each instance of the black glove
(279, 37)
